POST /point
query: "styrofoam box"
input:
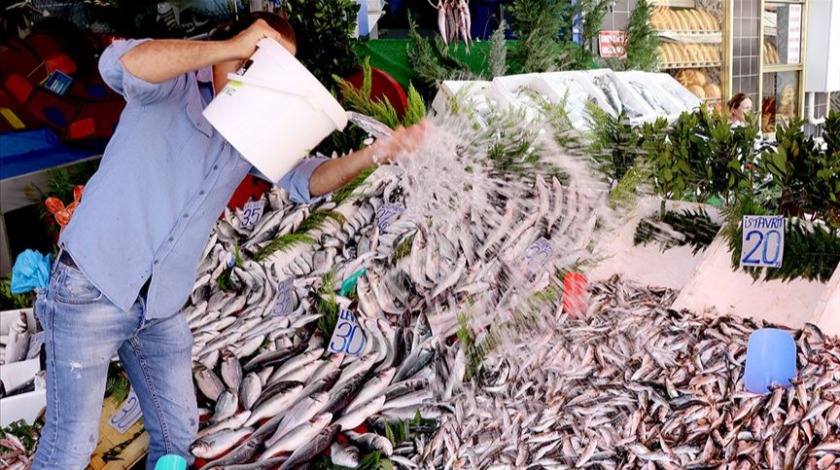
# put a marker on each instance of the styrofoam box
(510, 89)
(672, 86)
(25, 406)
(558, 87)
(585, 81)
(672, 106)
(714, 284)
(18, 373)
(827, 313)
(648, 264)
(628, 96)
(478, 95)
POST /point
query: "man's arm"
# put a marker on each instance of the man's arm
(161, 60)
(334, 174)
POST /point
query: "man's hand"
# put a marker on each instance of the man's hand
(244, 44)
(404, 140)
(337, 172)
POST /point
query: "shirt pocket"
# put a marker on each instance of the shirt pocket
(73, 287)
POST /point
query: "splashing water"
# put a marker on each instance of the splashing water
(516, 207)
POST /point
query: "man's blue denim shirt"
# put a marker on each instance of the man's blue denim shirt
(164, 178)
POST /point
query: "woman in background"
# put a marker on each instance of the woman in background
(739, 106)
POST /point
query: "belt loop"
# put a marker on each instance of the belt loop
(57, 258)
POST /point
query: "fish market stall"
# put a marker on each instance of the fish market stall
(642, 96)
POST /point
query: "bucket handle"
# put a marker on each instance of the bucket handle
(305, 92)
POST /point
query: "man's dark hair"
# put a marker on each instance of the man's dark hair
(232, 28)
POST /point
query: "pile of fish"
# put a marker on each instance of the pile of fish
(14, 347)
(454, 21)
(633, 384)
(441, 237)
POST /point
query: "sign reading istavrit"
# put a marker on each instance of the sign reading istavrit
(763, 242)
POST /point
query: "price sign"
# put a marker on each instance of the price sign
(386, 213)
(252, 213)
(283, 300)
(535, 257)
(348, 336)
(128, 414)
(58, 82)
(539, 252)
(763, 242)
(612, 43)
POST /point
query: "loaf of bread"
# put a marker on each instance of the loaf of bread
(712, 90)
(673, 20)
(697, 91)
(674, 53)
(693, 53)
(663, 54)
(684, 77)
(694, 21)
(657, 18)
(700, 78)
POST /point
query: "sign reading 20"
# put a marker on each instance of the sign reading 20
(763, 242)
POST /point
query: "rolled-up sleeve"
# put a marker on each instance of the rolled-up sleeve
(296, 181)
(132, 88)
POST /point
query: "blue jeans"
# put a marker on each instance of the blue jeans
(83, 330)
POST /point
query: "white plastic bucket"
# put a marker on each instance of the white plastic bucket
(275, 112)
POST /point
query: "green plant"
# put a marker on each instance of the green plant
(324, 31)
(10, 301)
(342, 194)
(671, 175)
(361, 101)
(614, 145)
(642, 40)
(283, 243)
(327, 305)
(224, 281)
(537, 24)
(689, 146)
(430, 60)
(27, 434)
(695, 227)
(831, 132)
(730, 157)
(498, 51)
(117, 385)
(808, 178)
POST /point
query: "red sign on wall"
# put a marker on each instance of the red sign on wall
(612, 43)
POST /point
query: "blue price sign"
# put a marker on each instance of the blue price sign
(386, 213)
(283, 301)
(128, 414)
(537, 253)
(534, 258)
(348, 336)
(763, 242)
(252, 213)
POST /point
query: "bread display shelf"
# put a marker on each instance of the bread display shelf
(695, 37)
(674, 3)
(690, 65)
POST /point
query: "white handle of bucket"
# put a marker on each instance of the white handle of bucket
(305, 92)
